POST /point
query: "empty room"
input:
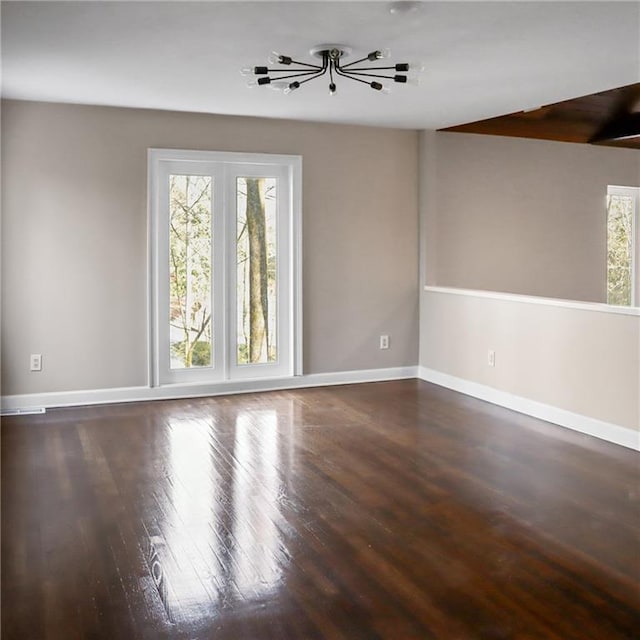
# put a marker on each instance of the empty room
(320, 320)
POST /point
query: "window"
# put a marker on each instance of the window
(622, 243)
(225, 256)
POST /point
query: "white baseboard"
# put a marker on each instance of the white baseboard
(30, 403)
(584, 424)
(36, 401)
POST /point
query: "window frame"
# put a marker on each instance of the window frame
(224, 167)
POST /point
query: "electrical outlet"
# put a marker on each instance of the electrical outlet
(491, 358)
(35, 362)
(384, 342)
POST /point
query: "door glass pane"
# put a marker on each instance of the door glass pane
(619, 249)
(256, 200)
(190, 237)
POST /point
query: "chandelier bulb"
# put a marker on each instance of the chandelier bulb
(278, 58)
(258, 81)
(254, 71)
(332, 89)
(292, 87)
(378, 86)
(404, 79)
(278, 85)
(383, 53)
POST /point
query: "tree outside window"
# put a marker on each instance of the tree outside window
(621, 212)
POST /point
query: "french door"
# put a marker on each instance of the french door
(225, 256)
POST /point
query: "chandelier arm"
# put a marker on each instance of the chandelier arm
(393, 67)
(344, 66)
(299, 74)
(306, 64)
(368, 75)
(312, 76)
(317, 75)
(345, 75)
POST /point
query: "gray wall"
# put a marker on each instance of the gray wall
(525, 216)
(520, 216)
(74, 254)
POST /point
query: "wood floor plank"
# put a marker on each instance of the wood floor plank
(395, 510)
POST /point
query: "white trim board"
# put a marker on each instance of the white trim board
(549, 302)
(31, 401)
(584, 424)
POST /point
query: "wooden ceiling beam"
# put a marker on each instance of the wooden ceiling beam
(605, 118)
(622, 127)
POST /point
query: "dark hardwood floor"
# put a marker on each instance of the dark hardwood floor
(394, 510)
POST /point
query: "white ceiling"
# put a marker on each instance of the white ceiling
(481, 59)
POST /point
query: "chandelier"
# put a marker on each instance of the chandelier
(292, 74)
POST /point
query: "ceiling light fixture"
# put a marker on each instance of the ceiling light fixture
(294, 73)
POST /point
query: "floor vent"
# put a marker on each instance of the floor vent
(22, 412)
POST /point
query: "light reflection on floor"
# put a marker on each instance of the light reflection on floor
(207, 553)
(256, 484)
